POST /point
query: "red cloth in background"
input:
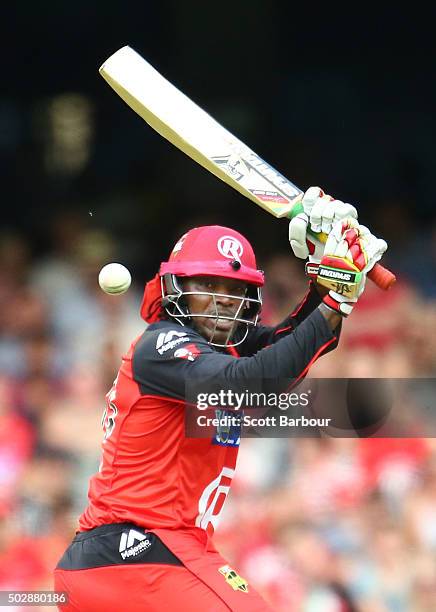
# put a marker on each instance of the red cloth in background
(22, 565)
(16, 445)
(375, 454)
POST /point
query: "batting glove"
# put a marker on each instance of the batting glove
(350, 253)
(320, 213)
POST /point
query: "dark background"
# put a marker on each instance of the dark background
(344, 99)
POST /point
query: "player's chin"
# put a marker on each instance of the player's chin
(220, 333)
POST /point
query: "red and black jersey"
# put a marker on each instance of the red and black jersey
(150, 473)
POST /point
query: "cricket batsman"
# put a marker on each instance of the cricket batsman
(145, 540)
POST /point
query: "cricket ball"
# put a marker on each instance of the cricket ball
(114, 278)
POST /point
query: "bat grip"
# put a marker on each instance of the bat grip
(382, 277)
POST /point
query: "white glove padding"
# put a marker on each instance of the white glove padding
(339, 244)
(350, 253)
(321, 212)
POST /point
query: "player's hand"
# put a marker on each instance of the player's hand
(350, 253)
(320, 213)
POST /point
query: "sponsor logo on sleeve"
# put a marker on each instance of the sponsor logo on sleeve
(169, 340)
(189, 352)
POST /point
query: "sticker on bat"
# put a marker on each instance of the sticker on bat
(269, 196)
(233, 165)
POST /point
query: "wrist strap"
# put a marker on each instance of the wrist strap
(342, 308)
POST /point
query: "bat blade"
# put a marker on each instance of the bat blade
(183, 123)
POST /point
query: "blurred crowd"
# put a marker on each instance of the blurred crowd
(317, 525)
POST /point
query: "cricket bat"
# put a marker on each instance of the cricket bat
(178, 119)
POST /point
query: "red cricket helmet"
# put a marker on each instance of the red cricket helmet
(213, 250)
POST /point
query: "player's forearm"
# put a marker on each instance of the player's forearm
(289, 357)
(333, 319)
(318, 293)
(314, 299)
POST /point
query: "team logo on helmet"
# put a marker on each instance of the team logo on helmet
(230, 247)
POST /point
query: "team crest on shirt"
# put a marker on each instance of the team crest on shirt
(228, 432)
(233, 579)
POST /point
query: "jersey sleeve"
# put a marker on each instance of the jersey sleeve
(172, 361)
(262, 335)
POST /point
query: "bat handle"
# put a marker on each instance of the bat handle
(381, 276)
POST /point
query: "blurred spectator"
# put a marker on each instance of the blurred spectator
(332, 464)
(15, 259)
(85, 320)
(17, 440)
(322, 587)
(285, 286)
(55, 271)
(420, 509)
(423, 597)
(392, 466)
(380, 578)
(45, 480)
